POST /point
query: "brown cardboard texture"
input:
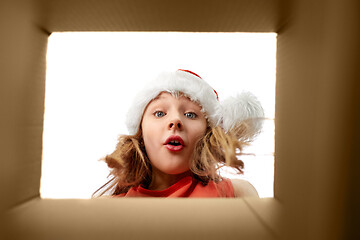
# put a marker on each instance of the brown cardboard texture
(317, 118)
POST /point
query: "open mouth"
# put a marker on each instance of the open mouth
(174, 143)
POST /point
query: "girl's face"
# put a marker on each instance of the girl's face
(171, 127)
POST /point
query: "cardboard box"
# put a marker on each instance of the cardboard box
(317, 122)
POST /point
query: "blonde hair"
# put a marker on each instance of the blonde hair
(130, 165)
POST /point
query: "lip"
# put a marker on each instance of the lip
(172, 147)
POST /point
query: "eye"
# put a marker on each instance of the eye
(159, 114)
(190, 115)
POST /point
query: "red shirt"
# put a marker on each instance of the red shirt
(186, 187)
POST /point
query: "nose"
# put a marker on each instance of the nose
(175, 124)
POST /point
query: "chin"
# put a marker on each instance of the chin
(175, 171)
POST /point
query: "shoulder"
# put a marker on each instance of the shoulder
(243, 188)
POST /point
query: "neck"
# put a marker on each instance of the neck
(161, 181)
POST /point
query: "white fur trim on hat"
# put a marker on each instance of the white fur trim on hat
(245, 106)
(226, 114)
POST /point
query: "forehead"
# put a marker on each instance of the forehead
(166, 97)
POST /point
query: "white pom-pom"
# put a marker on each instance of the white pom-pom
(243, 107)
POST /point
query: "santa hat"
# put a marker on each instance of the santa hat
(227, 114)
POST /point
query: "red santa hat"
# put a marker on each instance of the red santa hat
(227, 114)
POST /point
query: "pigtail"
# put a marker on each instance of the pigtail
(129, 165)
(217, 149)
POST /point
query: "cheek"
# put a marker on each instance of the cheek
(201, 128)
(197, 133)
(149, 136)
(147, 128)
(147, 139)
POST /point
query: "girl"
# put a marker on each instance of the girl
(180, 136)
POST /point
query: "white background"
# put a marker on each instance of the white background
(92, 78)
